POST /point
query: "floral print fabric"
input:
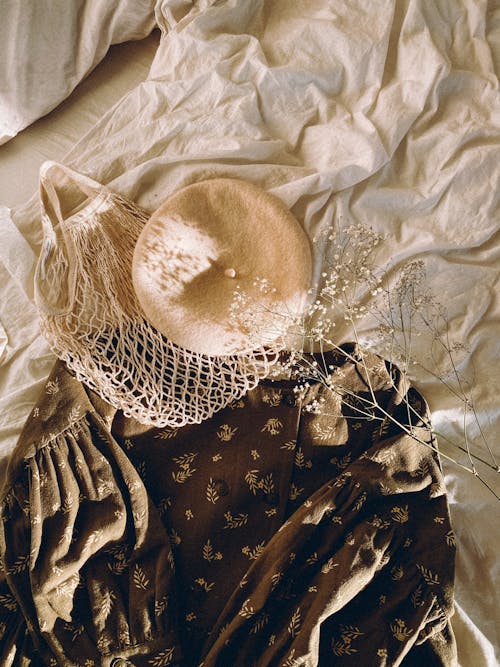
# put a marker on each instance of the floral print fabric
(267, 535)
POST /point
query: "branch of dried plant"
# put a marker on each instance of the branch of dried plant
(399, 310)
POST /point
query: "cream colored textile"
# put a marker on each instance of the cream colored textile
(384, 112)
(92, 318)
(48, 47)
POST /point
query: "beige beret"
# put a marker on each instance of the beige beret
(206, 242)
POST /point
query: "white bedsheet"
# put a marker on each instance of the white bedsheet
(48, 47)
(384, 112)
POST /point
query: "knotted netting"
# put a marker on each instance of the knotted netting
(93, 321)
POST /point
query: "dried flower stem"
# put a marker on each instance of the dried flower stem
(401, 309)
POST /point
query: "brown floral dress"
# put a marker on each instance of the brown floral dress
(269, 535)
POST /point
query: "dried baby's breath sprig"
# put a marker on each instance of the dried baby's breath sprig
(397, 308)
(261, 323)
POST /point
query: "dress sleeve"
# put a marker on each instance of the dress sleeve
(402, 617)
(86, 555)
(16, 647)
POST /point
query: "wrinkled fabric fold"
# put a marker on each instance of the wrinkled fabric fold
(266, 535)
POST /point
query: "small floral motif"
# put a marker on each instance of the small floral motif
(343, 646)
(139, 578)
(254, 553)
(209, 554)
(377, 522)
(385, 458)
(400, 630)
(323, 432)
(161, 605)
(167, 434)
(163, 658)
(175, 538)
(247, 611)
(272, 398)
(289, 445)
(163, 506)
(235, 521)
(226, 433)
(422, 469)
(267, 483)
(183, 474)
(341, 462)
(295, 491)
(211, 494)
(450, 538)
(329, 565)
(260, 622)
(342, 479)
(107, 601)
(417, 597)
(291, 660)
(349, 539)
(120, 564)
(103, 644)
(74, 414)
(8, 601)
(382, 653)
(430, 577)
(295, 623)
(252, 480)
(272, 426)
(300, 460)
(255, 454)
(313, 558)
(275, 579)
(52, 387)
(189, 514)
(141, 469)
(360, 501)
(21, 563)
(204, 584)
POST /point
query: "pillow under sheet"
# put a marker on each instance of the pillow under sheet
(49, 46)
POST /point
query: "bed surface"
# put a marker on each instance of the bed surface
(389, 118)
(52, 136)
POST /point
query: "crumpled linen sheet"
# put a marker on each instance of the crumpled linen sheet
(49, 47)
(385, 113)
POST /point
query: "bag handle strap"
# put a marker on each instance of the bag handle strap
(53, 178)
(50, 173)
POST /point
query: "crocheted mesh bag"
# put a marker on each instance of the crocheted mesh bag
(93, 321)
